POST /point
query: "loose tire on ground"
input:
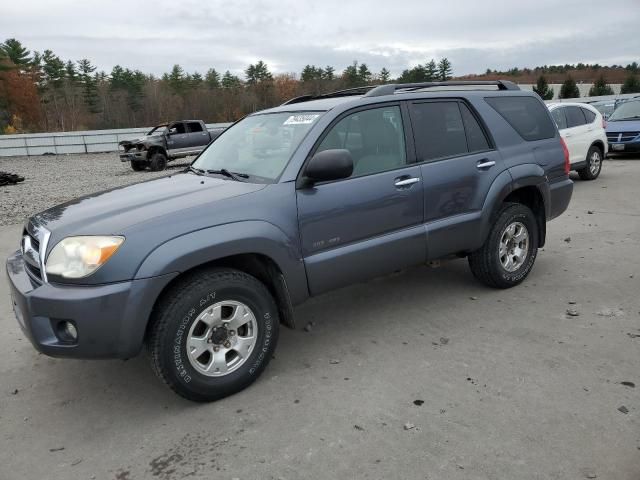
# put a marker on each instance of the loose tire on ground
(488, 263)
(189, 312)
(158, 162)
(138, 165)
(594, 164)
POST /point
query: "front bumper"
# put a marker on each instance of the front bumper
(110, 319)
(560, 193)
(138, 155)
(624, 147)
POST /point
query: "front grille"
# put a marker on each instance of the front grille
(617, 137)
(31, 255)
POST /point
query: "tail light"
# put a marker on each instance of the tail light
(604, 123)
(567, 164)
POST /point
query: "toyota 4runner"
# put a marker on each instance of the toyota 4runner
(202, 267)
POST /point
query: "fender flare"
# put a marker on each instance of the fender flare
(197, 248)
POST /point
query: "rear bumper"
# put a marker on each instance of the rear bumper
(559, 197)
(110, 319)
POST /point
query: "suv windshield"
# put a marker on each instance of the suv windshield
(259, 146)
(626, 111)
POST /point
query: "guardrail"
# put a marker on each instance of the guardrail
(90, 141)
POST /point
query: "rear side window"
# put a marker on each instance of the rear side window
(476, 139)
(195, 127)
(559, 118)
(589, 115)
(438, 130)
(575, 117)
(527, 115)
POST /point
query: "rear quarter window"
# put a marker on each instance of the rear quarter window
(589, 115)
(528, 116)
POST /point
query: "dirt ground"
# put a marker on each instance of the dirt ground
(423, 375)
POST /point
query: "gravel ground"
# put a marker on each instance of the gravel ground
(50, 180)
(425, 374)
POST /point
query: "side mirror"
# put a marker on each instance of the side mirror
(329, 165)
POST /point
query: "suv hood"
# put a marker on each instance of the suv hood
(114, 211)
(615, 126)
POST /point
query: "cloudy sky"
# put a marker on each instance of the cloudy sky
(287, 34)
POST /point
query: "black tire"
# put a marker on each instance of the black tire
(486, 264)
(177, 311)
(138, 165)
(158, 162)
(594, 164)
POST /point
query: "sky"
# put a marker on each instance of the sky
(154, 35)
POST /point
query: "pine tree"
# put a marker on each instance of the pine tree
(444, 70)
(257, 73)
(328, 73)
(177, 81)
(542, 88)
(350, 75)
(600, 87)
(431, 71)
(631, 85)
(569, 89)
(212, 79)
(364, 74)
(384, 75)
(18, 54)
(196, 80)
(89, 85)
(310, 73)
(230, 81)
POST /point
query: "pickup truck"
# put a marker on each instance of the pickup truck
(166, 142)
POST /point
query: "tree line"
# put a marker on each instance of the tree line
(39, 91)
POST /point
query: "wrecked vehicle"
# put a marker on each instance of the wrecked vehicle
(167, 142)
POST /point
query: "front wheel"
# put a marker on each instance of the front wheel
(594, 164)
(213, 334)
(158, 162)
(510, 250)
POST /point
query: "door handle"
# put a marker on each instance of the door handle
(405, 182)
(485, 164)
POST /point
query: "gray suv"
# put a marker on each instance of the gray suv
(203, 266)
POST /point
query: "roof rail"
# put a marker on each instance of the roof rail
(339, 93)
(390, 89)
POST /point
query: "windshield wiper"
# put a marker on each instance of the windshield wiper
(197, 171)
(231, 175)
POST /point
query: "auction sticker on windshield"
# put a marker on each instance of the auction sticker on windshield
(301, 119)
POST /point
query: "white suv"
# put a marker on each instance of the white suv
(583, 130)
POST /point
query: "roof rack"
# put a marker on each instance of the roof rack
(339, 93)
(409, 87)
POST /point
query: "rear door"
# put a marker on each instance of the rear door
(577, 134)
(368, 224)
(458, 164)
(198, 136)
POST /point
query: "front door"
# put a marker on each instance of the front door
(177, 138)
(368, 224)
(458, 166)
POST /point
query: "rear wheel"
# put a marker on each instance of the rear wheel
(158, 161)
(594, 164)
(213, 334)
(138, 165)
(510, 250)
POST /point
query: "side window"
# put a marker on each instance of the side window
(438, 130)
(374, 137)
(195, 127)
(177, 128)
(575, 117)
(559, 118)
(476, 139)
(527, 115)
(589, 115)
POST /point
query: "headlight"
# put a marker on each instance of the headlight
(77, 257)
